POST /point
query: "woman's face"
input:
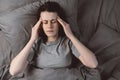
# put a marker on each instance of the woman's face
(50, 23)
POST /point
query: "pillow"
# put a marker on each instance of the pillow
(88, 17)
(7, 6)
(5, 54)
(17, 24)
(105, 43)
(5, 50)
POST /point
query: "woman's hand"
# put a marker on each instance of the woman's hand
(66, 27)
(20, 62)
(87, 57)
(35, 29)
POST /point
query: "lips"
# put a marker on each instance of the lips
(50, 31)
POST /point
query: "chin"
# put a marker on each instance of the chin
(51, 35)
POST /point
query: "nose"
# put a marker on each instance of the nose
(49, 24)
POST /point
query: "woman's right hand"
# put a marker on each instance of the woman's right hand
(35, 29)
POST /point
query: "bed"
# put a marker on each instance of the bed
(96, 23)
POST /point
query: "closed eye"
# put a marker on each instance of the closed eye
(45, 22)
(54, 21)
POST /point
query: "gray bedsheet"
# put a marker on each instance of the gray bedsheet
(96, 23)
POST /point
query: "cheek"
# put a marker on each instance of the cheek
(56, 27)
(44, 28)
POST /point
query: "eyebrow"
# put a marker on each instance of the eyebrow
(50, 20)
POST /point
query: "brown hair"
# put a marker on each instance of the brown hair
(52, 7)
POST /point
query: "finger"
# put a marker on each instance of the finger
(37, 25)
(63, 23)
(40, 19)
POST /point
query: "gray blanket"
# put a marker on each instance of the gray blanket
(96, 23)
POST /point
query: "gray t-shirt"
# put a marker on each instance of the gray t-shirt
(53, 54)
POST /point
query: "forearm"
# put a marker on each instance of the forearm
(19, 63)
(86, 56)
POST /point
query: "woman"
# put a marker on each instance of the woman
(55, 46)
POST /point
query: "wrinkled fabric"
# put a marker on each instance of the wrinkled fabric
(96, 23)
(53, 74)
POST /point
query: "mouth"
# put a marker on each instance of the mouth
(50, 31)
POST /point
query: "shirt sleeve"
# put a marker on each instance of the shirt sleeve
(74, 50)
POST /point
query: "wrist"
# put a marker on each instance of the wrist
(32, 40)
(71, 36)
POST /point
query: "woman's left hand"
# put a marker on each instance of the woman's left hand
(87, 57)
(66, 27)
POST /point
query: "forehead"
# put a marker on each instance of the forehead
(48, 15)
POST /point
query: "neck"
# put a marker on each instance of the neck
(52, 39)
